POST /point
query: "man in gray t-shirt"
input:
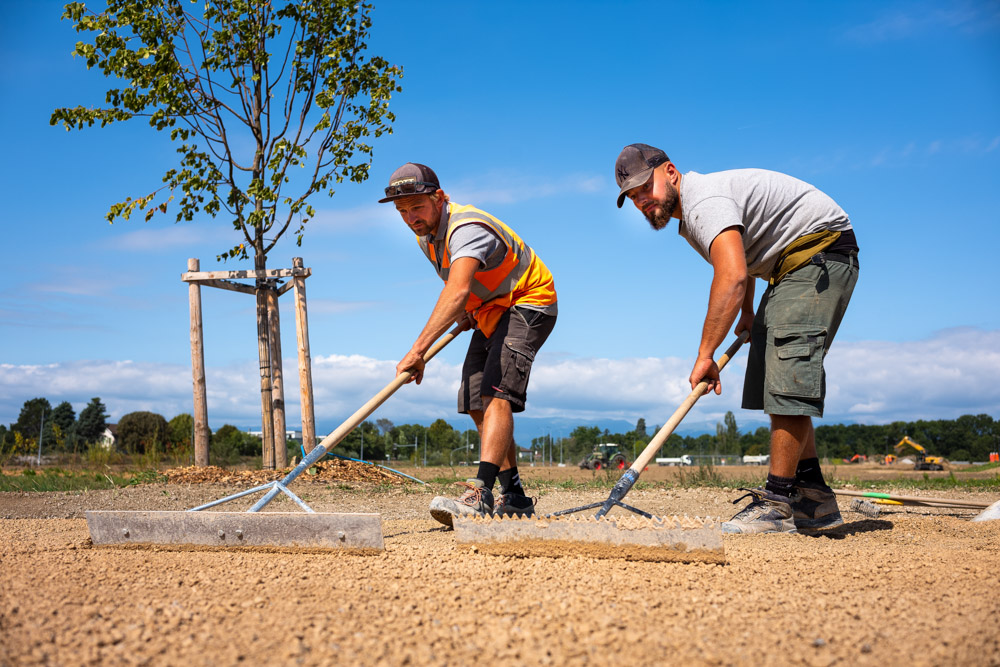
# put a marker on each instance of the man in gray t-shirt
(754, 223)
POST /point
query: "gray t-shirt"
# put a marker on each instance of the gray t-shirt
(482, 243)
(770, 209)
(475, 240)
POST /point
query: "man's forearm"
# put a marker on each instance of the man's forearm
(450, 305)
(748, 295)
(724, 303)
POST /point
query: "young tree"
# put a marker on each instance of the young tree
(273, 102)
(93, 420)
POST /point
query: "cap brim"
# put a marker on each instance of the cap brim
(634, 182)
(390, 198)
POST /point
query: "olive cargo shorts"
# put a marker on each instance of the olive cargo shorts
(499, 366)
(793, 328)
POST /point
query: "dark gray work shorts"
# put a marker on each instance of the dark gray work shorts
(499, 366)
(793, 328)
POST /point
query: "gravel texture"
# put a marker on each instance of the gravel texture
(917, 586)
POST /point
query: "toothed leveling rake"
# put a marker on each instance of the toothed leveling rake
(356, 532)
(635, 536)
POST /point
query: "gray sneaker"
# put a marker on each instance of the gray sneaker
(514, 504)
(815, 507)
(476, 501)
(766, 513)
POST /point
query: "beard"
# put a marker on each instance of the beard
(659, 215)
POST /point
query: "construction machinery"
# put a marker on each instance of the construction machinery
(605, 456)
(635, 536)
(923, 460)
(308, 529)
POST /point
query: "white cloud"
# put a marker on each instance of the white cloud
(949, 374)
(966, 17)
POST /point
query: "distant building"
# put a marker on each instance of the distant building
(289, 435)
(109, 437)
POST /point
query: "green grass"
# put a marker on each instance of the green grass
(928, 483)
(57, 479)
(986, 466)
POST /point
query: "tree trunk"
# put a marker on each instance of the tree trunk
(277, 380)
(264, 353)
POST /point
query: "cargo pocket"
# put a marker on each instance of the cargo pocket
(517, 360)
(794, 364)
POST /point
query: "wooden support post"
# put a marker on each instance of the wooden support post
(277, 380)
(198, 371)
(305, 360)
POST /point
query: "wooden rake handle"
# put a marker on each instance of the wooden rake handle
(661, 436)
(378, 399)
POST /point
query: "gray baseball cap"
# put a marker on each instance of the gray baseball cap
(411, 179)
(635, 165)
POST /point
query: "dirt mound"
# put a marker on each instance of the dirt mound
(331, 470)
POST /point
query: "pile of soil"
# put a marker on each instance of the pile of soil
(331, 470)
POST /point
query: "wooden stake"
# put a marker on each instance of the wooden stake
(198, 371)
(305, 360)
(277, 380)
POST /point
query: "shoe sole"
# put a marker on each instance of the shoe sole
(731, 529)
(443, 516)
(518, 513)
(812, 525)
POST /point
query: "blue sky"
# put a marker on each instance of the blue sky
(891, 108)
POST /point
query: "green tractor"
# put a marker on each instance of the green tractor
(607, 456)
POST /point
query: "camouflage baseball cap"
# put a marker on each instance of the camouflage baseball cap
(635, 165)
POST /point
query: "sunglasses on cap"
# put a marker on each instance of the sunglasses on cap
(409, 186)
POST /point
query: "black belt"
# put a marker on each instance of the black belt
(820, 257)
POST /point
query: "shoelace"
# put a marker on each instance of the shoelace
(756, 494)
(473, 494)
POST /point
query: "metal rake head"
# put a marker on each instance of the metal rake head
(866, 507)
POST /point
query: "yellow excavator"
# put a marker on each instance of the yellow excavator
(924, 462)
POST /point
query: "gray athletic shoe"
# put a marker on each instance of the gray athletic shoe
(514, 504)
(476, 501)
(766, 513)
(814, 507)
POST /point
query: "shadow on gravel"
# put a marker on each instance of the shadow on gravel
(435, 529)
(853, 528)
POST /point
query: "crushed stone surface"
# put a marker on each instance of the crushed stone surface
(917, 586)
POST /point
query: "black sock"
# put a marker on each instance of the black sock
(510, 481)
(488, 474)
(781, 486)
(809, 470)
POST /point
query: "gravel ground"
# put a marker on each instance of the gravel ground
(917, 586)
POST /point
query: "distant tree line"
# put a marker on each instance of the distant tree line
(968, 438)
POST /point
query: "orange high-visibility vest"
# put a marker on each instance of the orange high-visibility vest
(521, 278)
